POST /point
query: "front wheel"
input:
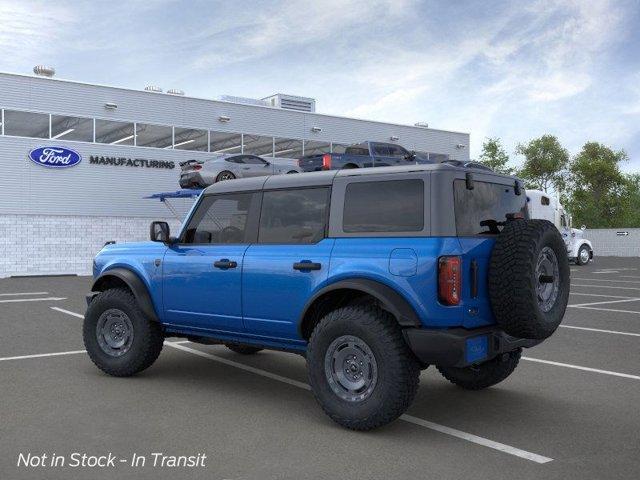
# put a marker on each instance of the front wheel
(119, 338)
(583, 255)
(477, 377)
(360, 369)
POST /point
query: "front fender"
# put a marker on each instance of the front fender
(135, 284)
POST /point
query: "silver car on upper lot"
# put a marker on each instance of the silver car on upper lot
(202, 173)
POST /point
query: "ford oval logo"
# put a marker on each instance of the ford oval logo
(55, 157)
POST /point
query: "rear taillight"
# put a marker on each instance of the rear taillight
(449, 280)
(326, 161)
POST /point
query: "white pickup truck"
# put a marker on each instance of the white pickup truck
(544, 206)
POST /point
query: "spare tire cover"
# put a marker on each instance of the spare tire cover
(529, 278)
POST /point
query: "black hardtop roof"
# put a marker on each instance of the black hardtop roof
(312, 179)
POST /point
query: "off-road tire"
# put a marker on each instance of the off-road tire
(147, 334)
(242, 349)
(221, 175)
(484, 375)
(397, 368)
(513, 280)
(578, 257)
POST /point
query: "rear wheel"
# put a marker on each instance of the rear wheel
(225, 175)
(484, 375)
(242, 349)
(583, 255)
(360, 369)
(119, 338)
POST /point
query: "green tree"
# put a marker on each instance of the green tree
(545, 163)
(600, 193)
(632, 194)
(495, 156)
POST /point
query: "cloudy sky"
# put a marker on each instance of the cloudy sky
(514, 70)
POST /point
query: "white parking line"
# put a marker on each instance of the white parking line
(40, 355)
(601, 330)
(632, 299)
(586, 369)
(606, 286)
(628, 276)
(47, 299)
(407, 418)
(633, 312)
(597, 295)
(606, 280)
(23, 293)
(62, 310)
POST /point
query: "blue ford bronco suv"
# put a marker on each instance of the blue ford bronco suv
(372, 274)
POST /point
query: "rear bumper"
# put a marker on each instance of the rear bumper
(192, 179)
(459, 347)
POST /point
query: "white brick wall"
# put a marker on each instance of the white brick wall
(49, 245)
(607, 243)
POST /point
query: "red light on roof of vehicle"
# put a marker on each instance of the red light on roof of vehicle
(449, 280)
(326, 161)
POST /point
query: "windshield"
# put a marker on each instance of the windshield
(483, 210)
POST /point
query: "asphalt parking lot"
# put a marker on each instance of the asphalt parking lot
(571, 410)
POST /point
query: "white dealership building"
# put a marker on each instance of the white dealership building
(127, 144)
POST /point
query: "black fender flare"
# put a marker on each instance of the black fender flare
(135, 284)
(390, 300)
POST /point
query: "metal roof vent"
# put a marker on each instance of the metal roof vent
(44, 71)
(175, 91)
(422, 124)
(153, 88)
(292, 102)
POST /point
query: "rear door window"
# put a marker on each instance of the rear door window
(483, 210)
(294, 216)
(386, 206)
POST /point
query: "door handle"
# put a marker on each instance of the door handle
(225, 263)
(307, 265)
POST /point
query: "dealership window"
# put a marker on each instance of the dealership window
(114, 133)
(158, 136)
(72, 128)
(258, 145)
(399, 206)
(294, 216)
(224, 142)
(220, 219)
(287, 148)
(190, 139)
(26, 124)
(312, 147)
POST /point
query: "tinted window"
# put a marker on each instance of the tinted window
(397, 151)
(393, 206)
(190, 139)
(235, 159)
(294, 216)
(487, 203)
(544, 200)
(355, 150)
(381, 150)
(114, 133)
(72, 128)
(254, 160)
(26, 124)
(220, 219)
(158, 136)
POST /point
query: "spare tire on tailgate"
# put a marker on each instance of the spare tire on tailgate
(529, 278)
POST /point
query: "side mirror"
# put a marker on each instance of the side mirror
(159, 232)
(267, 164)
